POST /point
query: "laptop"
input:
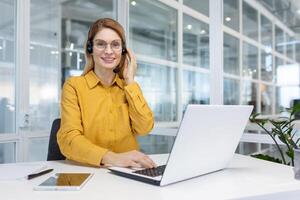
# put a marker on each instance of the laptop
(206, 141)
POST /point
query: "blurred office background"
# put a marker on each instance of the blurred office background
(189, 51)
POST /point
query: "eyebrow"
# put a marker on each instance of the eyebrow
(99, 40)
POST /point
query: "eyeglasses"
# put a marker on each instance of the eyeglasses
(115, 45)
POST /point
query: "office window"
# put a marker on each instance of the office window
(231, 55)
(297, 52)
(250, 61)
(266, 33)
(279, 40)
(200, 6)
(250, 21)
(37, 149)
(266, 66)
(7, 66)
(247, 148)
(158, 83)
(278, 66)
(231, 14)
(266, 96)
(290, 42)
(195, 88)
(44, 65)
(195, 42)
(279, 100)
(249, 94)
(7, 152)
(287, 79)
(231, 92)
(153, 29)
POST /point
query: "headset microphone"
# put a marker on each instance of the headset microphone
(116, 70)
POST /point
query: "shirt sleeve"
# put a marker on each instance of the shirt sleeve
(70, 137)
(141, 116)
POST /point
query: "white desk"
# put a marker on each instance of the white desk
(245, 178)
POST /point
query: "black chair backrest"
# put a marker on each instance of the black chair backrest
(53, 148)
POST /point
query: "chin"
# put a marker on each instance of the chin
(108, 66)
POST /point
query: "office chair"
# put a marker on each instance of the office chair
(53, 148)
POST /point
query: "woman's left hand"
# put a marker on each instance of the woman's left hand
(130, 67)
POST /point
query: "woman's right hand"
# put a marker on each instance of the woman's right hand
(128, 159)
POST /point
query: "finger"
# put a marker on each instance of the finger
(145, 157)
(131, 55)
(144, 163)
(135, 164)
(151, 161)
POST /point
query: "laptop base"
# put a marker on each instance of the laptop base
(137, 178)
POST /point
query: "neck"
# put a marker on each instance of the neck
(105, 75)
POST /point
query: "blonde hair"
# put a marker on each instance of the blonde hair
(94, 29)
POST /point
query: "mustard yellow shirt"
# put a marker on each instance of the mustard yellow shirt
(95, 118)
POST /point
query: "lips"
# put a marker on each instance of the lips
(108, 59)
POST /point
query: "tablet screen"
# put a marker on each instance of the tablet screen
(65, 181)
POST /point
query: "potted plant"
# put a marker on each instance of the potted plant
(281, 128)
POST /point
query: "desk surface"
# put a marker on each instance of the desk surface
(245, 178)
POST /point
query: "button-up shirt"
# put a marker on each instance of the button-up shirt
(97, 118)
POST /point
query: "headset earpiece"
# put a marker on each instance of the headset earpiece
(89, 46)
(124, 51)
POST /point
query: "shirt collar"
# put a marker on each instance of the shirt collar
(93, 80)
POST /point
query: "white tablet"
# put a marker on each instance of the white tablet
(64, 181)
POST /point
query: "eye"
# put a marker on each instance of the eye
(115, 44)
(101, 44)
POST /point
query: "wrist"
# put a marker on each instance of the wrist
(108, 158)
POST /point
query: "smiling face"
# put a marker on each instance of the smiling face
(107, 48)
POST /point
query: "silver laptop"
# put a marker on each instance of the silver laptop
(206, 141)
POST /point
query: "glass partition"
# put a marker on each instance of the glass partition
(250, 61)
(231, 92)
(44, 65)
(279, 40)
(266, 96)
(266, 33)
(7, 66)
(231, 49)
(250, 21)
(195, 42)
(158, 83)
(200, 6)
(195, 88)
(153, 28)
(266, 66)
(249, 94)
(7, 152)
(231, 16)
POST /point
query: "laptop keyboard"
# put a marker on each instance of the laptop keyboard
(153, 172)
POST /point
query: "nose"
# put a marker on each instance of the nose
(108, 49)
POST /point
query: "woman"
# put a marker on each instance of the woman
(104, 110)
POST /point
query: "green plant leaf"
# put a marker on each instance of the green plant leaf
(267, 158)
(295, 109)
